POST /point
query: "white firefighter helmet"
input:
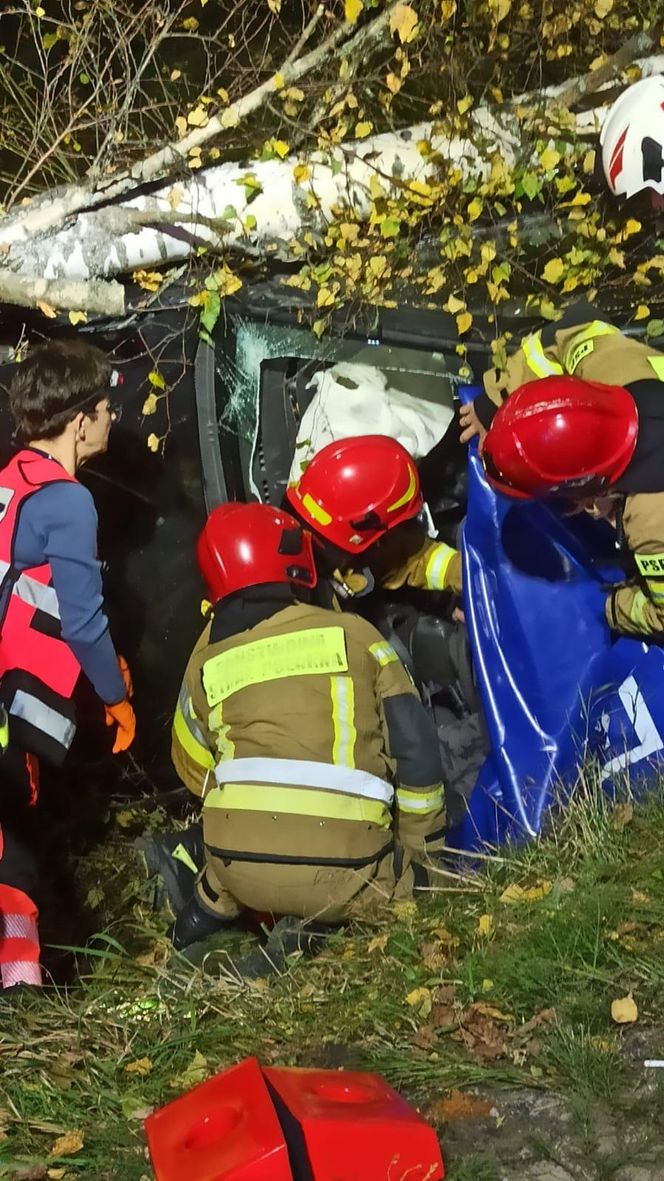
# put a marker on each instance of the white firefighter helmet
(632, 139)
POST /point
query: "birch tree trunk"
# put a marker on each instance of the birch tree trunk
(265, 207)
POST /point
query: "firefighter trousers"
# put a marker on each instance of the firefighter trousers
(332, 894)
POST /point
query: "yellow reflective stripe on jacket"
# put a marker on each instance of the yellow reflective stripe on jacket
(656, 589)
(435, 571)
(225, 745)
(536, 358)
(189, 736)
(297, 801)
(650, 564)
(384, 653)
(418, 801)
(582, 344)
(657, 365)
(314, 650)
(343, 721)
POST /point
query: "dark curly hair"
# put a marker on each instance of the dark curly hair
(57, 381)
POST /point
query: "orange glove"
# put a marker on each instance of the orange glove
(125, 673)
(123, 716)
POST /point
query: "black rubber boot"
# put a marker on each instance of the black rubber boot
(288, 936)
(194, 924)
(177, 858)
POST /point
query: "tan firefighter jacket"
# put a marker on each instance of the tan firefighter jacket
(308, 744)
(405, 556)
(597, 351)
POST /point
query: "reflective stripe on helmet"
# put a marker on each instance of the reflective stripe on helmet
(343, 721)
(420, 802)
(536, 358)
(408, 494)
(315, 510)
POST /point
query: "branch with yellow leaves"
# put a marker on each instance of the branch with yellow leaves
(54, 209)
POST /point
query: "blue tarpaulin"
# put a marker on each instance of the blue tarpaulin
(556, 685)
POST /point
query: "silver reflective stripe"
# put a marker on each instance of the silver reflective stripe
(49, 721)
(37, 595)
(305, 774)
(189, 718)
(33, 592)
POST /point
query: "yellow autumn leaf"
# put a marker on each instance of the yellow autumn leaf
(229, 118)
(631, 226)
(624, 1011)
(403, 21)
(420, 998)
(603, 8)
(325, 298)
(448, 9)
(274, 6)
(499, 9)
(393, 83)
(549, 158)
(190, 24)
(475, 208)
(181, 126)
(352, 10)
(149, 407)
(378, 943)
(362, 130)
(156, 379)
(46, 308)
(642, 312)
(55, 1174)
(68, 1144)
(485, 924)
(175, 74)
(198, 117)
(78, 318)
(281, 148)
(463, 322)
(553, 271)
(301, 172)
(580, 199)
(589, 161)
(140, 1066)
(514, 895)
(153, 443)
(454, 305)
(464, 104)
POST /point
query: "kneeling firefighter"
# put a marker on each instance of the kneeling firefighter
(362, 500)
(305, 739)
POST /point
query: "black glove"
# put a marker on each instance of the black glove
(193, 924)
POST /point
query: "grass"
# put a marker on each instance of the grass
(474, 989)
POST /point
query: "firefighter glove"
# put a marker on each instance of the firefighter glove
(122, 716)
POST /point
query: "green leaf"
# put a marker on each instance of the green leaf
(655, 328)
(530, 183)
(156, 380)
(389, 227)
(210, 313)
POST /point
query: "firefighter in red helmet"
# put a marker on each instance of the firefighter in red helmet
(592, 433)
(562, 436)
(361, 498)
(316, 763)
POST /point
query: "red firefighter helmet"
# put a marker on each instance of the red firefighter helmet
(245, 545)
(561, 435)
(354, 490)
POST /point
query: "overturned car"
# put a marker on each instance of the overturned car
(532, 685)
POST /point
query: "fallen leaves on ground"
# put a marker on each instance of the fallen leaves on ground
(194, 1073)
(514, 895)
(140, 1066)
(624, 1011)
(68, 1144)
(456, 1106)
